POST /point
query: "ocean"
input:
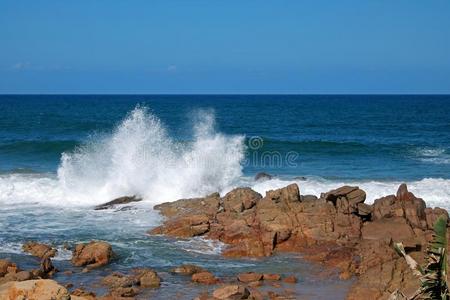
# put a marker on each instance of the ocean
(60, 155)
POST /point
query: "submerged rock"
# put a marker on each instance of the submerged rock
(93, 254)
(38, 249)
(118, 201)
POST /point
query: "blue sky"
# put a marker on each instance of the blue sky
(225, 46)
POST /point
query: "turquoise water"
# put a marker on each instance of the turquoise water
(61, 155)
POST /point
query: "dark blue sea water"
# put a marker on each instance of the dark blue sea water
(61, 155)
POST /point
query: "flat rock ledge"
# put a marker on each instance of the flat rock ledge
(337, 229)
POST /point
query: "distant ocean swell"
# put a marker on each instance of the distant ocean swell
(140, 158)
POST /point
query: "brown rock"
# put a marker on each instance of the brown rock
(249, 277)
(34, 289)
(240, 199)
(92, 255)
(231, 292)
(338, 229)
(287, 194)
(204, 278)
(38, 249)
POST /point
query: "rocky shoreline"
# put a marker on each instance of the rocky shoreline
(337, 229)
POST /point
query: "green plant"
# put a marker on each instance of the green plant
(433, 277)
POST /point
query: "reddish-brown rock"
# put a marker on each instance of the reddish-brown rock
(92, 255)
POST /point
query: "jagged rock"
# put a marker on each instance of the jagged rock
(231, 292)
(240, 199)
(34, 289)
(118, 201)
(337, 229)
(38, 249)
(93, 254)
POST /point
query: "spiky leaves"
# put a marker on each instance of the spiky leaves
(434, 278)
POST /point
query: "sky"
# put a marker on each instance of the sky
(224, 47)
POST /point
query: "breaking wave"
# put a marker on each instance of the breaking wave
(137, 158)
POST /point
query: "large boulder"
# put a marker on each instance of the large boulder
(93, 254)
(41, 289)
